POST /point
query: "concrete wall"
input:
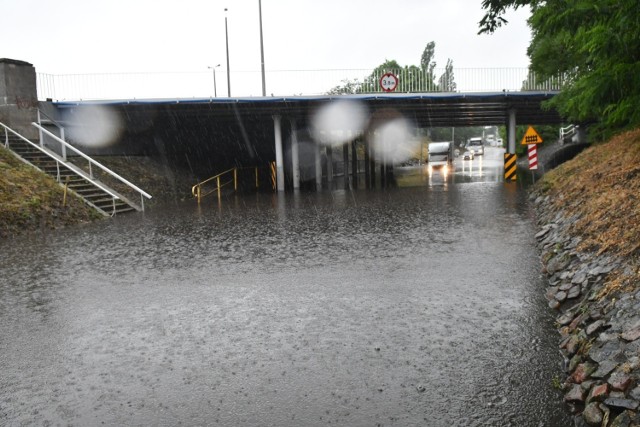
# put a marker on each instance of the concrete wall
(18, 96)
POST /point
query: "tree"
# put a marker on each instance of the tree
(493, 18)
(460, 135)
(595, 45)
(348, 86)
(427, 64)
(446, 82)
(411, 78)
(372, 82)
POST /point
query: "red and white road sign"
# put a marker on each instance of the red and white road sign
(533, 157)
(388, 82)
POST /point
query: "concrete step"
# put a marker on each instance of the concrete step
(92, 194)
(79, 185)
(84, 188)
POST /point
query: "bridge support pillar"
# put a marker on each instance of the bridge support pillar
(318, 159)
(367, 166)
(330, 167)
(511, 132)
(277, 130)
(372, 162)
(345, 162)
(354, 163)
(295, 155)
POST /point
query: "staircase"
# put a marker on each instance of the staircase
(94, 192)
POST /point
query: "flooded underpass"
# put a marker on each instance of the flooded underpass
(418, 305)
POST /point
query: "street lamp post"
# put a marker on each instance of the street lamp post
(264, 87)
(226, 35)
(215, 86)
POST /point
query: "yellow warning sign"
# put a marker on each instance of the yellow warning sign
(531, 137)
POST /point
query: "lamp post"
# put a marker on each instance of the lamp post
(264, 87)
(215, 86)
(226, 35)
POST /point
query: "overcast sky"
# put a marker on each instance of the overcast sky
(89, 36)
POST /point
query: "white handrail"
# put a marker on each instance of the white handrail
(59, 160)
(567, 131)
(91, 161)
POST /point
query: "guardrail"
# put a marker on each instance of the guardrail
(91, 164)
(199, 84)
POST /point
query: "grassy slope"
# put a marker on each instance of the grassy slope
(601, 188)
(30, 200)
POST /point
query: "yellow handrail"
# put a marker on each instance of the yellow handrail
(196, 190)
(199, 193)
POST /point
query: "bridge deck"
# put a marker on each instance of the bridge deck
(425, 109)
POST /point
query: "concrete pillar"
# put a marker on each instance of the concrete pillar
(367, 166)
(279, 162)
(318, 159)
(511, 131)
(18, 97)
(330, 166)
(372, 160)
(345, 162)
(354, 163)
(295, 155)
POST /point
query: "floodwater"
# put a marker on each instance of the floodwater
(419, 305)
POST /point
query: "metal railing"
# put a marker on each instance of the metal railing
(568, 131)
(91, 163)
(59, 161)
(197, 190)
(198, 84)
(216, 183)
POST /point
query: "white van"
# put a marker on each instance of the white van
(476, 146)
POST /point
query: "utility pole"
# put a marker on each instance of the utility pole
(226, 35)
(264, 86)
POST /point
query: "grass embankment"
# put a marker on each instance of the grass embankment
(31, 200)
(601, 187)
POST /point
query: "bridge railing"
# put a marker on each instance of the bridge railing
(202, 84)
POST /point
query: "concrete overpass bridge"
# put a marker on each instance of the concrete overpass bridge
(211, 134)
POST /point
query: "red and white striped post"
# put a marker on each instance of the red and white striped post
(533, 157)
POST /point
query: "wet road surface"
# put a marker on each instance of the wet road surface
(417, 305)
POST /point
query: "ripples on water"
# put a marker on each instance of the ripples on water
(402, 307)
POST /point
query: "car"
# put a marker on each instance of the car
(476, 146)
(467, 155)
